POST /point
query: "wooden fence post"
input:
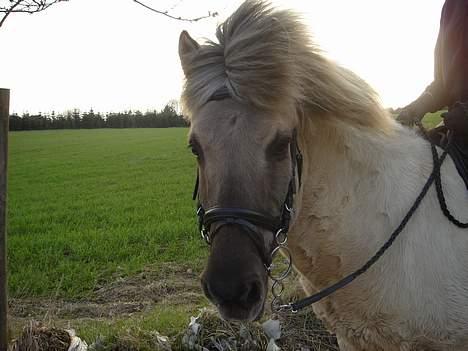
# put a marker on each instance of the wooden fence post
(4, 117)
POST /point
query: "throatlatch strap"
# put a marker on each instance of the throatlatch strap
(195, 189)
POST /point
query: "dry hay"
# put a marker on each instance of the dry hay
(210, 332)
(303, 331)
(300, 331)
(36, 337)
(133, 340)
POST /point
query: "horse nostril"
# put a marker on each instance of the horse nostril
(251, 293)
(247, 293)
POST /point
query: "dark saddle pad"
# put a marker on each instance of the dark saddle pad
(457, 148)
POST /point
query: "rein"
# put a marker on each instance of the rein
(434, 177)
(250, 221)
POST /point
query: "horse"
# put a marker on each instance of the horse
(265, 87)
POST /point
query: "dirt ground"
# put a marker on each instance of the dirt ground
(172, 285)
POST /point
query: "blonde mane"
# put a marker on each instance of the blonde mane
(265, 57)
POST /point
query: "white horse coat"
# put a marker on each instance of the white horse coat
(357, 188)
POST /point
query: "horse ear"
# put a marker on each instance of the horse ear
(187, 45)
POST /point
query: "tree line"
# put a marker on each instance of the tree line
(167, 117)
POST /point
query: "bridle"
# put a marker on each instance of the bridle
(251, 220)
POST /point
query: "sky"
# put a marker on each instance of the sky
(112, 55)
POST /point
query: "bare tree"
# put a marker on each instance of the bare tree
(167, 14)
(24, 6)
(34, 6)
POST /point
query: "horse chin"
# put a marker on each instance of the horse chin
(242, 314)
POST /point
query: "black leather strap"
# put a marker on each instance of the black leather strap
(195, 188)
(217, 214)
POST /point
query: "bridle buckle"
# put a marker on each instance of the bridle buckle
(205, 235)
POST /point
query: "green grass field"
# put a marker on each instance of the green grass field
(86, 203)
(432, 119)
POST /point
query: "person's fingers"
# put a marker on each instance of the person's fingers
(407, 117)
(456, 120)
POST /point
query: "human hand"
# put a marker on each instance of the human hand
(408, 116)
(456, 119)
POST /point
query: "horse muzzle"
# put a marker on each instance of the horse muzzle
(235, 279)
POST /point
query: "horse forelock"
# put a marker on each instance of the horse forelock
(253, 58)
(265, 58)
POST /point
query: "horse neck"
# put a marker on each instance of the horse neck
(353, 175)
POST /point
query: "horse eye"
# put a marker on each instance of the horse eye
(193, 148)
(282, 145)
(278, 149)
